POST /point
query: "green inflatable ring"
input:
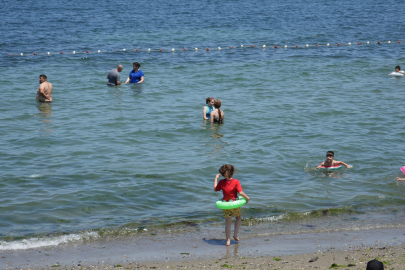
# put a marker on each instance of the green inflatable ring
(231, 204)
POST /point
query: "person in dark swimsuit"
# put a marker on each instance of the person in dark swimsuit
(217, 116)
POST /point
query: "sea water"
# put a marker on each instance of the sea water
(102, 161)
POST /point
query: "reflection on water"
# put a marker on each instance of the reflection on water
(214, 143)
(116, 91)
(235, 250)
(136, 88)
(45, 115)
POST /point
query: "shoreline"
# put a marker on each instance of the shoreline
(199, 250)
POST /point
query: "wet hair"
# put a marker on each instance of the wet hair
(217, 105)
(43, 76)
(227, 171)
(375, 265)
(136, 64)
(398, 67)
(330, 153)
(208, 99)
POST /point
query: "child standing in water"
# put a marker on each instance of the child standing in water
(230, 188)
(330, 161)
(208, 108)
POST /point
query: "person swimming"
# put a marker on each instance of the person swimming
(330, 161)
(398, 70)
(208, 108)
(217, 116)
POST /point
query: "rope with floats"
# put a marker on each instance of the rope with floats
(208, 49)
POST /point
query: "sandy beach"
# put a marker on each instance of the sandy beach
(333, 250)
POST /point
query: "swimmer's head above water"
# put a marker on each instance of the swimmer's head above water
(136, 65)
(209, 101)
(330, 155)
(397, 68)
(217, 104)
(227, 171)
(42, 78)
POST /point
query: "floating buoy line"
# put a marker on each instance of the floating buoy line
(212, 48)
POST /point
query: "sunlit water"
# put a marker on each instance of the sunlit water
(128, 158)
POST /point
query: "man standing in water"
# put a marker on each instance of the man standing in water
(44, 92)
(114, 76)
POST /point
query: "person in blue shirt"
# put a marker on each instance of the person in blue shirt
(136, 75)
(208, 108)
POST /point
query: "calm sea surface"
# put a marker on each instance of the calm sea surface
(119, 160)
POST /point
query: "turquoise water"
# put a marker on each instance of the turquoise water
(111, 159)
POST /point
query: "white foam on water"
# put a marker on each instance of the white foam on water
(35, 175)
(46, 241)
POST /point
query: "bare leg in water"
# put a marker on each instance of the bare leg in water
(238, 221)
(228, 223)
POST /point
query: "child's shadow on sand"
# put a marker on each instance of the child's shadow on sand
(218, 242)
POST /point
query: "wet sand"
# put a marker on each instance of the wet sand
(344, 249)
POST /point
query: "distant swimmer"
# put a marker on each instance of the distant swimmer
(208, 108)
(44, 92)
(114, 76)
(398, 69)
(136, 75)
(330, 162)
(217, 116)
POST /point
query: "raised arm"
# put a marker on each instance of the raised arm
(216, 181)
(244, 196)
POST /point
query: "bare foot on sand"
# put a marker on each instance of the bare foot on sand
(228, 242)
(236, 238)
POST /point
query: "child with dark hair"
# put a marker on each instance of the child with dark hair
(230, 188)
(398, 69)
(330, 161)
(375, 265)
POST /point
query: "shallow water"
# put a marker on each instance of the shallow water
(140, 156)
